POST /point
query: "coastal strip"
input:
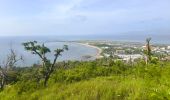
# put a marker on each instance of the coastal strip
(99, 50)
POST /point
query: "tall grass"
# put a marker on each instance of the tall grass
(93, 81)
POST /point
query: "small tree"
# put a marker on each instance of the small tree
(41, 51)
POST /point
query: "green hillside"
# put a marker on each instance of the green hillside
(94, 80)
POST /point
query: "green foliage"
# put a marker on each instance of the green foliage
(47, 67)
(94, 81)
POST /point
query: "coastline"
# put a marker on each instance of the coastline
(99, 50)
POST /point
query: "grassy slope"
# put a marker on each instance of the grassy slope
(103, 88)
(141, 83)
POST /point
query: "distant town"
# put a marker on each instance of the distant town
(130, 51)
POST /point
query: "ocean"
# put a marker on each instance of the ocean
(75, 52)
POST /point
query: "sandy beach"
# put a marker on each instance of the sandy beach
(99, 50)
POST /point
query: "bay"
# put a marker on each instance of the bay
(76, 51)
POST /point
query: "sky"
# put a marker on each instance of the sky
(84, 17)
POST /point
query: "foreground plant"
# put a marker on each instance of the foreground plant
(41, 51)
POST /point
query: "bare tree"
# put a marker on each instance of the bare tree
(8, 65)
(148, 50)
(41, 51)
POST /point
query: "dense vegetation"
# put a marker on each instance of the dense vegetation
(94, 80)
(102, 79)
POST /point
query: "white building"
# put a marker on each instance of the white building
(132, 57)
(168, 47)
(163, 48)
(105, 47)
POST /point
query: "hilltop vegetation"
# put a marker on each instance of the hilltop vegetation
(94, 80)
